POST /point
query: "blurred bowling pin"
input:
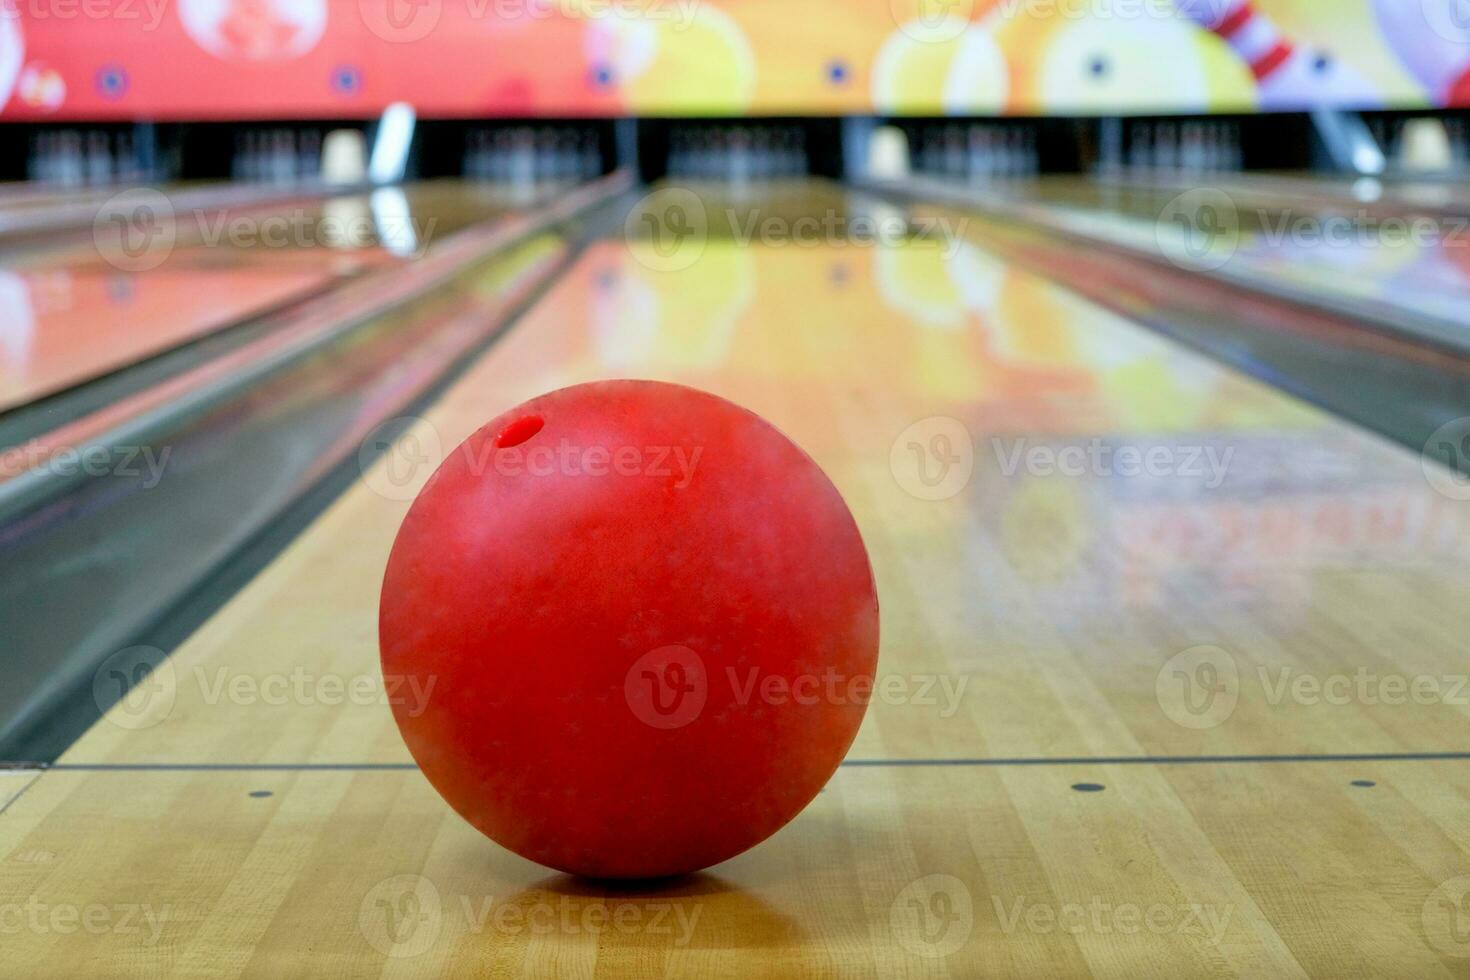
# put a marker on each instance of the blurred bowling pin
(1432, 40)
(954, 151)
(712, 155)
(311, 155)
(796, 157)
(98, 159)
(1166, 147)
(127, 159)
(980, 156)
(71, 167)
(469, 159)
(1425, 146)
(283, 157)
(544, 167)
(36, 162)
(927, 150)
(764, 161)
(567, 164)
(1140, 146)
(1014, 156)
(344, 157)
(522, 172)
(1287, 76)
(1459, 137)
(739, 165)
(888, 154)
(590, 156)
(498, 158)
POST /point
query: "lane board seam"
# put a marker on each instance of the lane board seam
(22, 792)
(1165, 760)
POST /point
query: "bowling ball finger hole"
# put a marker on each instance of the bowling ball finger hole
(519, 431)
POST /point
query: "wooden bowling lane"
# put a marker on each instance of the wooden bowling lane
(1424, 194)
(1223, 642)
(26, 220)
(14, 782)
(349, 231)
(1184, 870)
(68, 317)
(330, 231)
(62, 327)
(1362, 259)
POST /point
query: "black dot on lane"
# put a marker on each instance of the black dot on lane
(1089, 787)
(261, 793)
(1364, 782)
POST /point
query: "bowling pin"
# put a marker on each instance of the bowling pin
(36, 162)
(311, 155)
(264, 148)
(244, 155)
(495, 157)
(260, 157)
(1432, 40)
(977, 160)
(492, 158)
(953, 152)
(699, 153)
(764, 159)
(127, 159)
(1167, 147)
(98, 159)
(591, 156)
(888, 154)
(716, 155)
(286, 157)
(568, 163)
(545, 155)
(792, 153)
(51, 158)
(1288, 76)
(250, 156)
(739, 162)
(72, 164)
(927, 151)
(523, 160)
(1212, 155)
(1425, 147)
(344, 157)
(684, 151)
(1191, 148)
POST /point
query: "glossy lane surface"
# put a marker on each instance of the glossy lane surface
(1104, 563)
(91, 307)
(1334, 245)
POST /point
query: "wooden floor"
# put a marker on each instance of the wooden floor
(1205, 722)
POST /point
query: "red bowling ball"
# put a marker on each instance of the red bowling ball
(647, 623)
